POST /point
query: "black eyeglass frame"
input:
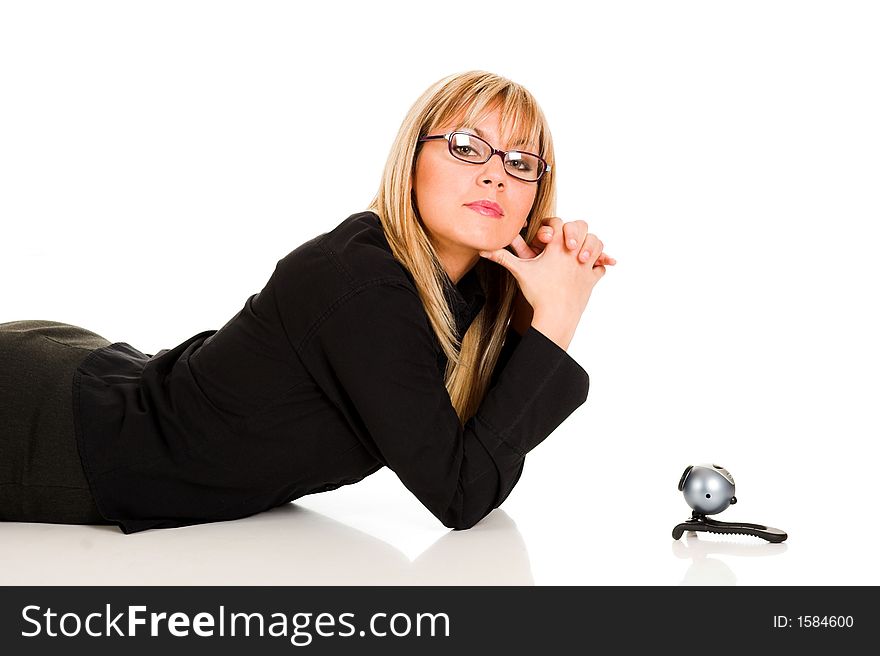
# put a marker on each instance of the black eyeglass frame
(494, 151)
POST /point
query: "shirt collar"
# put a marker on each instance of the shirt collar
(465, 299)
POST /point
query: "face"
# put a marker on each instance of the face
(443, 186)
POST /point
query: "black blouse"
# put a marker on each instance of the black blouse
(328, 373)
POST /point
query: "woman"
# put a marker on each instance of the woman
(407, 337)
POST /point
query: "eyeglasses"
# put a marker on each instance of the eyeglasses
(472, 149)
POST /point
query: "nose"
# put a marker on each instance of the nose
(493, 170)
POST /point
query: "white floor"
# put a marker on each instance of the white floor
(373, 533)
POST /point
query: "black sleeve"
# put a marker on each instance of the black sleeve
(510, 341)
(375, 354)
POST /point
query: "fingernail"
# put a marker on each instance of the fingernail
(572, 243)
(585, 255)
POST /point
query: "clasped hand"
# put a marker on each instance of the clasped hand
(577, 241)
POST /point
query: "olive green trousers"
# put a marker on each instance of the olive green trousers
(41, 475)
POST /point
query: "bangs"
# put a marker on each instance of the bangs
(521, 123)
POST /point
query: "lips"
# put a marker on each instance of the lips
(486, 208)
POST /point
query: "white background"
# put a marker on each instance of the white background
(157, 159)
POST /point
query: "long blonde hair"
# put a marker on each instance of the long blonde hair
(470, 95)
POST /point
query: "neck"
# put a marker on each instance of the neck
(456, 267)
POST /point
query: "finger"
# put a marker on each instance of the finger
(545, 234)
(556, 239)
(553, 222)
(537, 246)
(521, 248)
(550, 221)
(542, 237)
(591, 250)
(575, 231)
(505, 258)
(554, 233)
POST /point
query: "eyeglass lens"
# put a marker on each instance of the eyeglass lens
(470, 148)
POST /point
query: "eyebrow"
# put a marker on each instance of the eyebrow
(480, 133)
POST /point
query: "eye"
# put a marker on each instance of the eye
(520, 164)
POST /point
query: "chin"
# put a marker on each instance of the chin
(489, 238)
(501, 242)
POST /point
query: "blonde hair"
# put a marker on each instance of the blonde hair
(469, 97)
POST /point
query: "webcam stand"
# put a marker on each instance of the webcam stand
(699, 522)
